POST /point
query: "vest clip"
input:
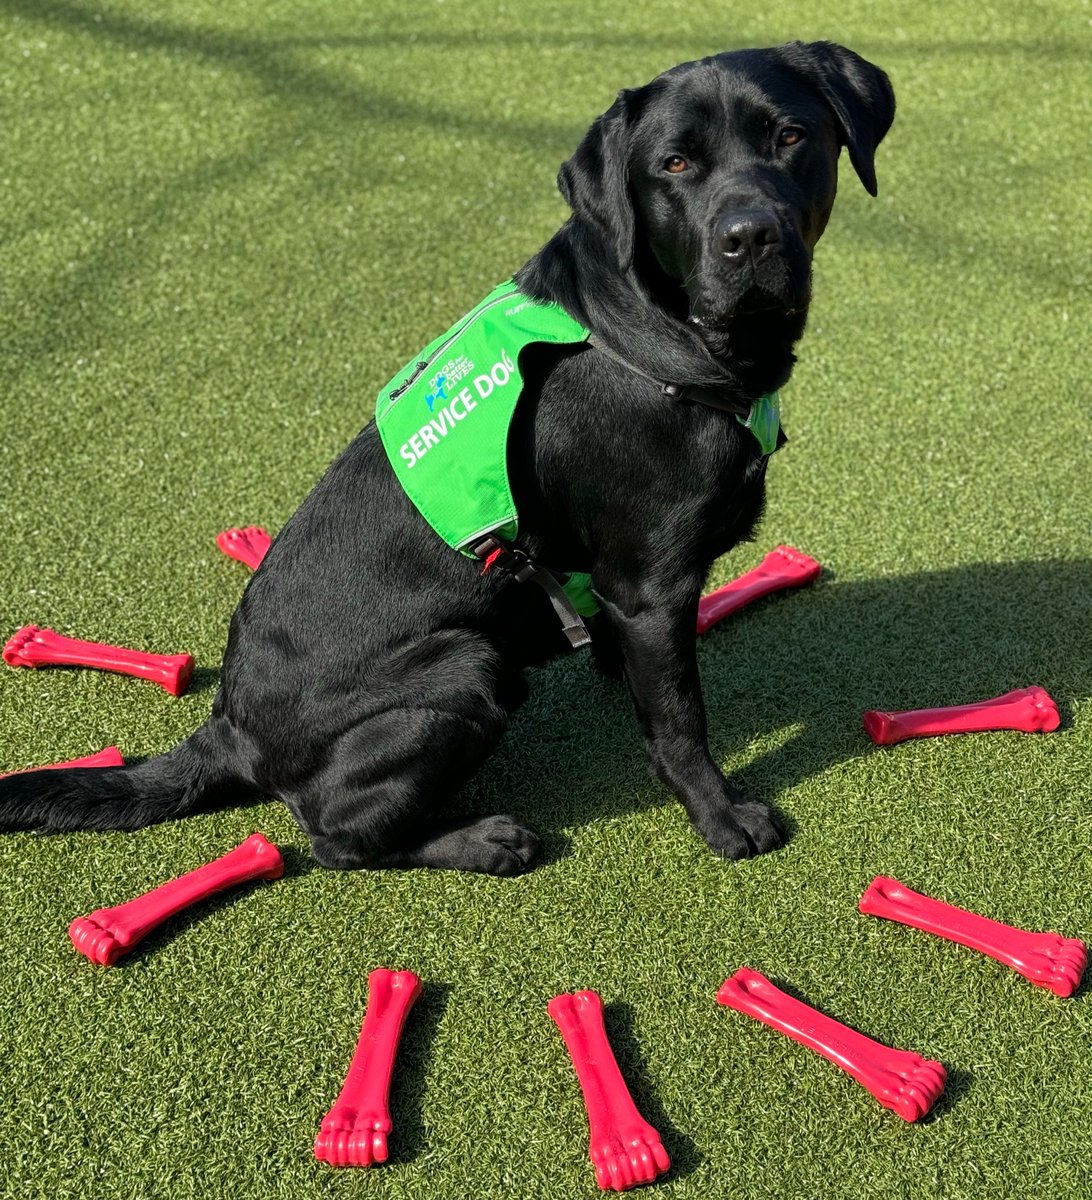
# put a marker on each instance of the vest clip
(494, 553)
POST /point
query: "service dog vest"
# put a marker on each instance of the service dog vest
(444, 421)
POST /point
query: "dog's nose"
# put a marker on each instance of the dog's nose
(748, 236)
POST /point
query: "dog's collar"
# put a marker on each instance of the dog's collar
(710, 397)
(761, 416)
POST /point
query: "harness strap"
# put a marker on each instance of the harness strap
(522, 567)
(700, 394)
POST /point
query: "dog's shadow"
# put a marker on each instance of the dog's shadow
(807, 663)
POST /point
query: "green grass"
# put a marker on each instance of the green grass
(224, 226)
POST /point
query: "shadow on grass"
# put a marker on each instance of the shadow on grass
(205, 679)
(958, 1084)
(409, 1138)
(803, 667)
(309, 100)
(255, 52)
(684, 1154)
(296, 865)
(797, 669)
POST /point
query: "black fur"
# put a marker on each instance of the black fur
(370, 670)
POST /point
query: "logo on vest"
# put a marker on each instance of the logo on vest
(451, 373)
(439, 392)
(456, 407)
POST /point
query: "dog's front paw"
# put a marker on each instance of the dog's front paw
(742, 830)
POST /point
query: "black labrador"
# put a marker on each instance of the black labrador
(370, 669)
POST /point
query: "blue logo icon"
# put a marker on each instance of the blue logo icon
(440, 384)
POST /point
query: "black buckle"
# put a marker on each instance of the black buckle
(510, 559)
(494, 553)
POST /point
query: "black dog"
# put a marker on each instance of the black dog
(370, 669)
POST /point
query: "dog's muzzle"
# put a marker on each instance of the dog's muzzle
(752, 262)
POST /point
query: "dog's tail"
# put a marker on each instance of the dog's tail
(195, 776)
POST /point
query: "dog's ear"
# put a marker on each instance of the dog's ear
(859, 93)
(595, 181)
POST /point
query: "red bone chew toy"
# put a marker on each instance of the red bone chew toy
(1029, 710)
(247, 545)
(108, 933)
(1047, 959)
(354, 1132)
(899, 1079)
(624, 1148)
(34, 647)
(110, 757)
(782, 568)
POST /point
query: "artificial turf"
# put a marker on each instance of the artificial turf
(224, 226)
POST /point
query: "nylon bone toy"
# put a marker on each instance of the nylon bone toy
(354, 1132)
(624, 1148)
(106, 934)
(34, 647)
(1027, 710)
(899, 1079)
(1047, 959)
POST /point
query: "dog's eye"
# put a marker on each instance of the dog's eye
(676, 165)
(789, 136)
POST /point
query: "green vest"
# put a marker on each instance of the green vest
(444, 421)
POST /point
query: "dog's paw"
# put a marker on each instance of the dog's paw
(499, 845)
(742, 830)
